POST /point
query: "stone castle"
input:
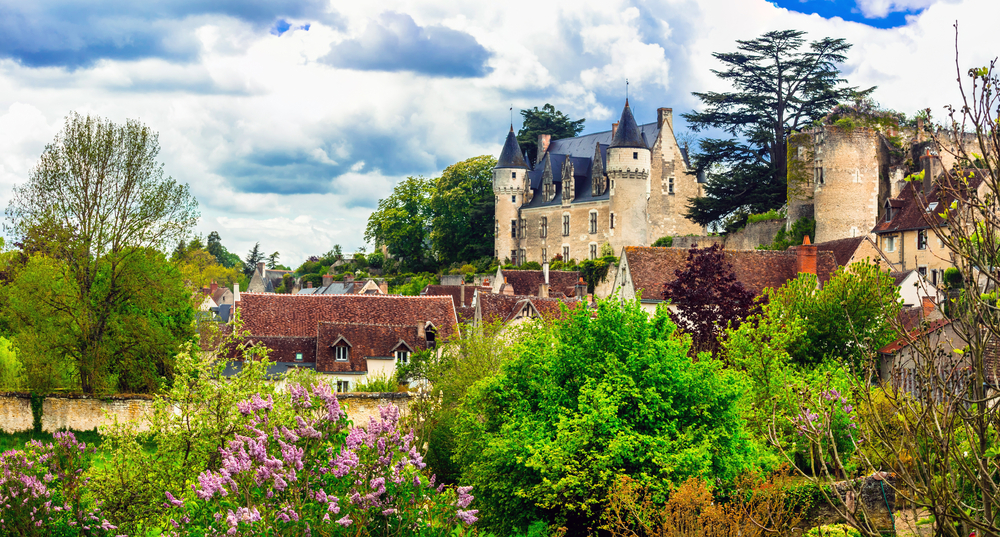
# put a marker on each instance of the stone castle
(625, 187)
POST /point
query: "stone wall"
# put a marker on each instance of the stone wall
(753, 235)
(703, 241)
(83, 413)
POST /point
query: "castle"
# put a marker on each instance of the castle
(625, 187)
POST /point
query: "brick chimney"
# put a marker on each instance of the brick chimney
(327, 280)
(931, 165)
(309, 285)
(614, 129)
(928, 305)
(506, 288)
(543, 145)
(805, 257)
(461, 298)
(581, 289)
(664, 116)
(214, 287)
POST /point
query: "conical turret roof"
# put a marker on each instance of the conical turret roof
(511, 156)
(628, 133)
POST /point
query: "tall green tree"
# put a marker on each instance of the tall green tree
(780, 84)
(548, 120)
(402, 223)
(254, 256)
(463, 209)
(97, 198)
(222, 255)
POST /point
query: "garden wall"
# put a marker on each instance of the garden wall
(754, 235)
(83, 413)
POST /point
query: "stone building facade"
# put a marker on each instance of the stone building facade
(623, 187)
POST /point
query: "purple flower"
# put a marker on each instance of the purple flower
(469, 517)
(174, 501)
(346, 521)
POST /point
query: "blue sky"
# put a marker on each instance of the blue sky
(291, 118)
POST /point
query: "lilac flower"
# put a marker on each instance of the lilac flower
(346, 521)
(469, 517)
(174, 501)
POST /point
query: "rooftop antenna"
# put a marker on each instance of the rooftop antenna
(626, 92)
(512, 116)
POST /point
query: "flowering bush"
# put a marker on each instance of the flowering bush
(828, 422)
(309, 473)
(41, 490)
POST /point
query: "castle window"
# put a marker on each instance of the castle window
(545, 257)
(341, 353)
(818, 175)
(402, 357)
(593, 222)
(544, 231)
(565, 225)
(593, 250)
(523, 228)
(670, 185)
(513, 175)
(612, 220)
(513, 229)
(635, 155)
(922, 240)
(565, 253)
(522, 256)
(513, 256)
(513, 199)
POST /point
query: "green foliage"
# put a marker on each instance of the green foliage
(607, 250)
(375, 260)
(586, 399)
(953, 278)
(402, 222)
(779, 88)
(548, 120)
(833, 530)
(595, 271)
(11, 369)
(664, 242)
(531, 265)
(764, 217)
(377, 383)
(37, 404)
(254, 256)
(783, 239)
(414, 285)
(462, 207)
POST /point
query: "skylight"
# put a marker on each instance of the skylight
(933, 205)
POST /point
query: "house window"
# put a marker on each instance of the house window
(922, 271)
(670, 185)
(890, 244)
(513, 256)
(513, 199)
(545, 228)
(922, 239)
(343, 386)
(513, 229)
(565, 225)
(298, 357)
(635, 155)
(341, 353)
(402, 357)
(565, 253)
(593, 221)
(612, 220)
(593, 250)
(431, 337)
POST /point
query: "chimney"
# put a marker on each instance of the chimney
(461, 292)
(309, 285)
(260, 268)
(920, 129)
(928, 306)
(805, 257)
(421, 333)
(545, 271)
(348, 277)
(931, 165)
(236, 293)
(506, 288)
(543, 145)
(614, 129)
(327, 280)
(581, 289)
(214, 287)
(664, 116)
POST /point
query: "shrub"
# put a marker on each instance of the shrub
(530, 265)
(664, 242)
(953, 278)
(764, 217)
(377, 383)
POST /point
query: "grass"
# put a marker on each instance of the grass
(17, 440)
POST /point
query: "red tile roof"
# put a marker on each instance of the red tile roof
(911, 204)
(504, 308)
(365, 341)
(527, 282)
(650, 268)
(455, 292)
(913, 335)
(842, 249)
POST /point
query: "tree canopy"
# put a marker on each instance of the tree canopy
(548, 120)
(462, 207)
(94, 205)
(777, 88)
(402, 222)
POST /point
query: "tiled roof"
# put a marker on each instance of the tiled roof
(527, 282)
(912, 205)
(650, 268)
(455, 292)
(899, 277)
(365, 341)
(506, 307)
(913, 335)
(842, 249)
(299, 315)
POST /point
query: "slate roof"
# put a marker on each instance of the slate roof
(335, 288)
(299, 315)
(527, 282)
(912, 203)
(504, 308)
(650, 268)
(455, 292)
(511, 156)
(628, 133)
(842, 249)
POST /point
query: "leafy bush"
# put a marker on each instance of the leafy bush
(833, 530)
(415, 285)
(530, 265)
(11, 370)
(783, 239)
(585, 399)
(764, 217)
(664, 242)
(953, 278)
(377, 383)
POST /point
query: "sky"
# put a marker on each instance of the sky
(290, 119)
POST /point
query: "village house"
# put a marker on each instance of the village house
(626, 187)
(347, 337)
(265, 280)
(214, 296)
(854, 250)
(511, 310)
(349, 286)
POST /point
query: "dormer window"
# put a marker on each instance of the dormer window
(341, 353)
(402, 356)
(431, 336)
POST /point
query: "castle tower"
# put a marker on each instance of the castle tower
(511, 186)
(846, 185)
(628, 167)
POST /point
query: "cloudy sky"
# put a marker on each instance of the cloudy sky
(291, 118)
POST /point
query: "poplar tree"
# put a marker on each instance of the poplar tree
(778, 88)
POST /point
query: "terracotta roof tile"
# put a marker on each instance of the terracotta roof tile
(505, 307)
(365, 341)
(455, 292)
(913, 335)
(527, 282)
(911, 205)
(650, 268)
(842, 249)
